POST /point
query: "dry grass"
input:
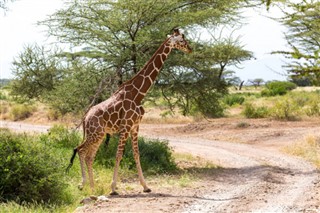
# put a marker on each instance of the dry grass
(309, 149)
(159, 115)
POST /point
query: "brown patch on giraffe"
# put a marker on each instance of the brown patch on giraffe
(154, 74)
(99, 112)
(106, 116)
(102, 121)
(158, 62)
(139, 98)
(113, 117)
(163, 57)
(166, 50)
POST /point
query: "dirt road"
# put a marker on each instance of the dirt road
(255, 175)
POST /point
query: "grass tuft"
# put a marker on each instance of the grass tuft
(309, 149)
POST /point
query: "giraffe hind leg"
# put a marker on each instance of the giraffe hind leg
(89, 157)
(82, 155)
(135, 148)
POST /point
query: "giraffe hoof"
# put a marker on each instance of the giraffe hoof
(147, 190)
(114, 193)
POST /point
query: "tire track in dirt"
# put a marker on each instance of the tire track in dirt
(260, 180)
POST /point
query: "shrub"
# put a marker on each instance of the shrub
(234, 99)
(4, 107)
(285, 109)
(61, 137)
(53, 114)
(155, 156)
(3, 96)
(209, 105)
(21, 111)
(29, 171)
(278, 88)
(309, 148)
(251, 111)
(313, 109)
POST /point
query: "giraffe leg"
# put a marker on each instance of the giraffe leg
(82, 156)
(89, 161)
(135, 148)
(91, 153)
(121, 145)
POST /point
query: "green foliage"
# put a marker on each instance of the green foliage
(250, 111)
(61, 137)
(155, 156)
(278, 88)
(21, 111)
(36, 71)
(32, 167)
(3, 96)
(285, 109)
(29, 171)
(313, 108)
(302, 21)
(62, 83)
(233, 99)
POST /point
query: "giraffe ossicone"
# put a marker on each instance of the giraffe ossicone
(122, 113)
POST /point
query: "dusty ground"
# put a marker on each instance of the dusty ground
(256, 176)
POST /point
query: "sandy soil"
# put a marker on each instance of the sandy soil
(255, 175)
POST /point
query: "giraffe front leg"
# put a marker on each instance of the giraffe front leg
(135, 148)
(121, 145)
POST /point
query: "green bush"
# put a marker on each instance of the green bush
(285, 109)
(278, 88)
(209, 105)
(313, 108)
(155, 156)
(21, 111)
(3, 96)
(60, 137)
(234, 99)
(29, 171)
(251, 111)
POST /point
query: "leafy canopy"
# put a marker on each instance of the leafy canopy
(302, 20)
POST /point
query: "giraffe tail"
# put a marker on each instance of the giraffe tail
(71, 160)
(107, 140)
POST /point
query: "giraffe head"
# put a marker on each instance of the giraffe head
(177, 41)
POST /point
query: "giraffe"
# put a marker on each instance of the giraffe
(122, 113)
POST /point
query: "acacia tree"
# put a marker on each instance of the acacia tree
(120, 36)
(66, 84)
(125, 33)
(302, 20)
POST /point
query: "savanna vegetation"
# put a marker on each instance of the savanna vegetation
(33, 178)
(104, 43)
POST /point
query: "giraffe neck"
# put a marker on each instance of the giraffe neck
(138, 86)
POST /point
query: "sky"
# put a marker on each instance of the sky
(260, 35)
